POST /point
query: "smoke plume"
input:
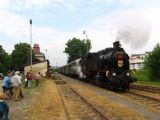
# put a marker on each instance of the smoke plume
(134, 30)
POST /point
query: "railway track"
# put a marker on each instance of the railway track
(146, 88)
(145, 100)
(76, 106)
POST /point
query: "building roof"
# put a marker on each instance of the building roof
(137, 54)
(39, 62)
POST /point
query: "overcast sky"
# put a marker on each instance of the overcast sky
(136, 23)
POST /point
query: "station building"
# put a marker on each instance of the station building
(137, 61)
(41, 64)
(39, 55)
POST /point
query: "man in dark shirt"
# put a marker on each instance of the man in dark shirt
(7, 83)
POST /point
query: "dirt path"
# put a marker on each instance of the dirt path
(17, 108)
(38, 104)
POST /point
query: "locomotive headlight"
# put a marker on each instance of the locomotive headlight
(114, 74)
(127, 74)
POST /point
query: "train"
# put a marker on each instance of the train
(108, 68)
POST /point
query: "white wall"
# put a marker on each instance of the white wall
(39, 67)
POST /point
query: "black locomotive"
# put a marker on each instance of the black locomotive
(107, 68)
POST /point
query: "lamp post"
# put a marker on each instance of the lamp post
(85, 32)
(47, 72)
(46, 53)
(30, 21)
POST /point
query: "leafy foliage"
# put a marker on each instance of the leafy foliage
(77, 48)
(2, 54)
(20, 56)
(152, 63)
(5, 61)
(142, 76)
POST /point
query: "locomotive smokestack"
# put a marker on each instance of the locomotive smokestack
(116, 45)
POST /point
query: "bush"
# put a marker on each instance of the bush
(152, 63)
(142, 75)
(143, 78)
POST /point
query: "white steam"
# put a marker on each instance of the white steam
(133, 29)
(79, 69)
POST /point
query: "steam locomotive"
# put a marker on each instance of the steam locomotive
(108, 68)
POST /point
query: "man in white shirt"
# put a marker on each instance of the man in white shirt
(16, 82)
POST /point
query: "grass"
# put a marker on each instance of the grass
(142, 78)
(32, 82)
(47, 104)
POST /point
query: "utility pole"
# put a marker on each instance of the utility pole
(46, 54)
(85, 32)
(30, 21)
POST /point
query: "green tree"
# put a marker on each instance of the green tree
(8, 63)
(5, 61)
(77, 48)
(152, 63)
(2, 54)
(20, 56)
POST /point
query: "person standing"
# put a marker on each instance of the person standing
(37, 78)
(28, 77)
(20, 81)
(29, 80)
(7, 84)
(44, 76)
(26, 80)
(16, 86)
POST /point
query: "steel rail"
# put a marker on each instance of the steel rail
(146, 88)
(97, 110)
(93, 107)
(62, 100)
(147, 100)
(144, 96)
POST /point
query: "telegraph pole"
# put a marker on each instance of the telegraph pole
(85, 32)
(30, 21)
(46, 54)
